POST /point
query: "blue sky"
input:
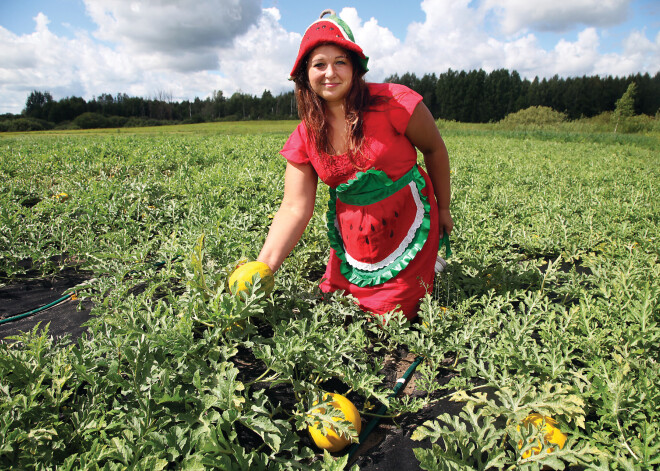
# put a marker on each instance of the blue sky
(191, 48)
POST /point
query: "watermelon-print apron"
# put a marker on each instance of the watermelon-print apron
(377, 226)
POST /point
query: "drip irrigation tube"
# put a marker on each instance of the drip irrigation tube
(64, 298)
(400, 383)
(39, 309)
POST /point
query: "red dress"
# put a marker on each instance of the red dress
(382, 218)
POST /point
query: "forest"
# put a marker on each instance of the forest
(476, 96)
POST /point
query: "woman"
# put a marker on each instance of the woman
(386, 214)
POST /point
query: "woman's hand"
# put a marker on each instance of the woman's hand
(445, 222)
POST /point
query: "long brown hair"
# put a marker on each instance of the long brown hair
(311, 110)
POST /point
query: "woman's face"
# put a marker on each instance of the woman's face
(330, 72)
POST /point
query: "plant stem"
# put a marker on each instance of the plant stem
(256, 380)
(625, 442)
(382, 416)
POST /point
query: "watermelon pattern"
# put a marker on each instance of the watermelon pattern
(376, 225)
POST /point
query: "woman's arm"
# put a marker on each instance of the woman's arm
(423, 133)
(291, 219)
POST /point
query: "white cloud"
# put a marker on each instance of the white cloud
(524, 55)
(261, 58)
(381, 41)
(556, 15)
(576, 58)
(181, 35)
(453, 35)
(450, 37)
(639, 55)
(29, 61)
(148, 47)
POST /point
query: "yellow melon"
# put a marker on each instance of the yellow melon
(245, 273)
(552, 434)
(332, 441)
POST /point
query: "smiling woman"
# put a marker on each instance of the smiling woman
(386, 214)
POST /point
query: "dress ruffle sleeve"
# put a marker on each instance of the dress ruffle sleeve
(295, 148)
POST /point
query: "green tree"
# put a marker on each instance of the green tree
(66, 109)
(427, 86)
(625, 106)
(38, 104)
(266, 105)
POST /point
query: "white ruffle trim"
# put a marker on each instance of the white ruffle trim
(407, 240)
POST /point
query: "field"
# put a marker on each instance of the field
(549, 304)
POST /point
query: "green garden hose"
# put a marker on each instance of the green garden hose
(34, 311)
(400, 383)
(64, 298)
(445, 241)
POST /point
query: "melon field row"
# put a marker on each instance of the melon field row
(548, 305)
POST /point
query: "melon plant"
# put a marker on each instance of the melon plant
(551, 302)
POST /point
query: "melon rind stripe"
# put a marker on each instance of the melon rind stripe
(361, 183)
(407, 240)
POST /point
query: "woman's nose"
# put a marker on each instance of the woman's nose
(329, 71)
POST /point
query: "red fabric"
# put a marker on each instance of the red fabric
(367, 226)
(324, 31)
(387, 149)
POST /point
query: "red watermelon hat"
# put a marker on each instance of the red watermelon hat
(332, 30)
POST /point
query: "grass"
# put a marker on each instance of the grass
(227, 127)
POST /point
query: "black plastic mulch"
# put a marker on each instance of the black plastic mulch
(23, 296)
(390, 446)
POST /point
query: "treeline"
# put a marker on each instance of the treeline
(475, 96)
(481, 97)
(43, 112)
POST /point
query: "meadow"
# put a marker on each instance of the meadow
(549, 304)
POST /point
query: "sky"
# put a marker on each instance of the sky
(185, 49)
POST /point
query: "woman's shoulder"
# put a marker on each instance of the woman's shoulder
(389, 89)
(392, 96)
(295, 148)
